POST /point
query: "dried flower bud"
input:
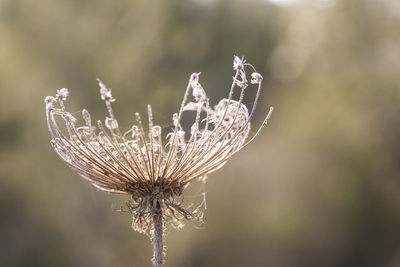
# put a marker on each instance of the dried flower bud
(86, 117)
(49, 102)
(198, 92)
(62, 94)
(156, 131)
(111, 123)
(105, 93)
(175, 119)
(256, 78)
(135, 131)
(195, 77)
(237, 63)
(49, 99)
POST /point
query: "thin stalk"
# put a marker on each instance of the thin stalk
(158, 238)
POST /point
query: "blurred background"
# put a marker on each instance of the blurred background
(319, 187)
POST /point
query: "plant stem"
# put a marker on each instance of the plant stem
(158, 239)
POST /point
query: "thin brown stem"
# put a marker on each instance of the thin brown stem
(158, 239)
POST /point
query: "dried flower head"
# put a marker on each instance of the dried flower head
(142, 163)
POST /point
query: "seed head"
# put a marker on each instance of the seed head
(155, 169)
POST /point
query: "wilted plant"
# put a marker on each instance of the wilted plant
(151, 168)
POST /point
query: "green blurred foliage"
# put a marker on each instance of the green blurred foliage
(319, 187)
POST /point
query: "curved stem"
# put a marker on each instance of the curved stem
(158, 238)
